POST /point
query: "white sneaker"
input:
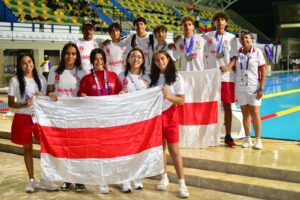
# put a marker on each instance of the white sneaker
(247, 143)
(104, 189)
(31, 186)
(183, 191)
(258, 145)
(125, 187)
(47, 185)
(163, 184)
(137, 184)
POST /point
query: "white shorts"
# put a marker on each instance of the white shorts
(244, 98)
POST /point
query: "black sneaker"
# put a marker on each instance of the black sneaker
(66, 186)
(79, 187)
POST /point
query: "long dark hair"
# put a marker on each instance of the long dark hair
(170, 74)
(62, 65)
(127, 66)
(20, 74)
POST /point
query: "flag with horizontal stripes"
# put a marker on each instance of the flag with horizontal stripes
(101, 140)
(199, 116)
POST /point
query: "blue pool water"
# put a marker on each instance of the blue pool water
(287, 126)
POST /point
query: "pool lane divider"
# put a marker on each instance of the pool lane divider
(281, 113)
(281, 93)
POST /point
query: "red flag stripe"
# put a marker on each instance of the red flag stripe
(108, 142)
(203, 113)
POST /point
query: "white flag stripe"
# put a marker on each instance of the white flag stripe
(201, 86)
(103, 171)
(83, 113)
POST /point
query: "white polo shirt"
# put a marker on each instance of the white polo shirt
(229, 49)
(247, 76)
(196, 64)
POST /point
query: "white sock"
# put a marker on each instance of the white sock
(181, 182)
(32, 179)
(164, 176)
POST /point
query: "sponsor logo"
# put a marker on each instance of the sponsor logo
(117, 62)
(210, 40)
(81, 48)
(181, 46)
(66, 91)
(107, 51)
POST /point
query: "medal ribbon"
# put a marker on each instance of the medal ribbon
(219, 43)
(98, 84)
(189, 49)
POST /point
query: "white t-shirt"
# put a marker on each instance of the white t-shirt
(248, 79)
(115, 56)
(229, 49)
(30, 89)
(85, 48)
(176, 88)
(67, 83)
(144, 45)
(133, 82)
(196, 64)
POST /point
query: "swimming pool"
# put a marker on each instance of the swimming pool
(280, 109)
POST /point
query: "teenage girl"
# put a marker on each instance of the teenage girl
(163, 73)
(22, 87)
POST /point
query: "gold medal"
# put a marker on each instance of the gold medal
(220, 55)
(188, 58)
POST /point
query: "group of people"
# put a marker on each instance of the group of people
(90, 67)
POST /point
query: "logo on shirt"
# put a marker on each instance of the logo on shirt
(94, 87)
(210, 40)
(111, 85)
(181, 47)
(107, 51)
(81, 48)
(56, 78)
(225, 43)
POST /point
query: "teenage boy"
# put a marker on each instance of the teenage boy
(190, 47)
(220, 51)
(115, 50)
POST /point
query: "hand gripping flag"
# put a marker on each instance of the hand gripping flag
(101, 140)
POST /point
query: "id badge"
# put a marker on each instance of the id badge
(244, 80)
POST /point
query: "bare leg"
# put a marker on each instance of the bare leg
(227, 117)
(28, 160)
(246, 119)
(177, 160)
(165, 155)
(255, 114)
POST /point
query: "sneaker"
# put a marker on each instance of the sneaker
(163, 184)
(30, 187)
(47, 185)
(183, 191)
(247, 143)
(66, 186)
(137, 184)
(229, 141)
(258, 145)
(79, 187)
(104, 189)
(125, 187)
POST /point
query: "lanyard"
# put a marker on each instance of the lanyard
(134, 83)
(163, 47)
(189, 49)
(98, 84)
(219, 43)
(247, 63)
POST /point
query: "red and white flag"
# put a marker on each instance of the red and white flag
(199, 116)
(101, 140)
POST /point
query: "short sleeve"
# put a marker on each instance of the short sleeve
(13, 89)
(234, 51)
(43, 84)
(260, 58)
(51, 77)
(179, 85)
